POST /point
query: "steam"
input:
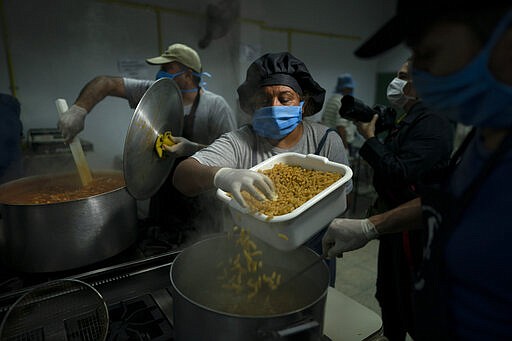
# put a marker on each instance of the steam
(33, 164)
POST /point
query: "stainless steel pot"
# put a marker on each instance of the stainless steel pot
(67, 235)
(199, 301)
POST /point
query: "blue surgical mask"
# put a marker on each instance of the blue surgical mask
(163, 74)
(472, 96)
(276, 122)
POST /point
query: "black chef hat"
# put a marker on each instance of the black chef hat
(413, 16)
(281, 69)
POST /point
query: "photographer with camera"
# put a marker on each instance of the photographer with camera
(417, 144)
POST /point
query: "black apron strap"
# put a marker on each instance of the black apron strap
(169, 208)
(322, 141)
(254, 149)
(188, 122)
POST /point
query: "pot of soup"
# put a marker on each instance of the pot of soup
(228, 288)
(53, 223)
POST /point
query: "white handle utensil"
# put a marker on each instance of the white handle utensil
(76, 148)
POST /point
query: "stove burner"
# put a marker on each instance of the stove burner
(153, 240)
(138, 319)
(157, 240)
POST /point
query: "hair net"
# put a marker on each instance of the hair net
(281, 69)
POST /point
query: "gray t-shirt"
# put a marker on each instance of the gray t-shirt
(243, 149)
(213, 115)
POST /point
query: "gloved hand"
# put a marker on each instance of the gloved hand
(235, 180)
(181, 147)
(346, 235)
(72, 122)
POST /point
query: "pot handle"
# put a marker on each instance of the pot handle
(296, 328)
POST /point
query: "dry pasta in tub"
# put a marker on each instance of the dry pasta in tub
(294, 186)
(310, 193)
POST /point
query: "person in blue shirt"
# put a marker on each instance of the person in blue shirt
(461, 69)
(11, 131)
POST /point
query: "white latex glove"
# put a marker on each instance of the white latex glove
(72, 122)
(346, 235)
(235, 180)
(182, 147)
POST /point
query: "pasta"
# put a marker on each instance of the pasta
(294, 186)
(244, 274)
(282, 236)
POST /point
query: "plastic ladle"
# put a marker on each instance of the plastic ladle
(76, 148)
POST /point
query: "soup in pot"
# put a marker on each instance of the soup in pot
(58, 188)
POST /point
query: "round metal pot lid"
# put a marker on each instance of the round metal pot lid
(159, 110)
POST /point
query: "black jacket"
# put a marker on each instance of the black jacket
(417, 147)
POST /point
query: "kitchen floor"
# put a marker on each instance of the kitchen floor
(356, 273)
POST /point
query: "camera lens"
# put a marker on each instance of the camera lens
(354, 109)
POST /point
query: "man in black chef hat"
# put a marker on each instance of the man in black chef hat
(277, 93)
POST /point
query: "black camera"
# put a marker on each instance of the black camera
(355, 110)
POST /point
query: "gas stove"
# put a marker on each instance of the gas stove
(138, 319)
(137, 294)
(134, 284)
(138, 297)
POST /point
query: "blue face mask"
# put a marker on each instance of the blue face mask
(276, 122)
(472, 95)
(163, 74)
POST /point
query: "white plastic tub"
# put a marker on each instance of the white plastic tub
(288, 231)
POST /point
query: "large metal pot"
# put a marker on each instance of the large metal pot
(66, 235)
(199, 301)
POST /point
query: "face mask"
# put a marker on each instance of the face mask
(472, 95)
(395, 93)
(163, 74)
(276, 122)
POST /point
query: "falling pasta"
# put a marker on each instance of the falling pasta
(244, 273)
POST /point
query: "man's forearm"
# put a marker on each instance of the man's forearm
(192, 178)
(404, 217)
(97, 89)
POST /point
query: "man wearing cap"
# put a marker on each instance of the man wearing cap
(277, 93)
(207, 116)
(211, 116)
(461, 69)
(331, 117)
